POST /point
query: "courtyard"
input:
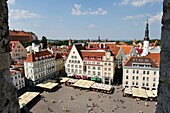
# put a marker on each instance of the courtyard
(68, 99)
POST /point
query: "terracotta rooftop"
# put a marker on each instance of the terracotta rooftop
(19, 33)
(127, 49)
(140, 60)
(38, 56)
(155, 57)
(122, 43)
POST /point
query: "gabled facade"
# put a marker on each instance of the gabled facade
(97, 65)
(17, 50)
(74, 62)
(39, 67)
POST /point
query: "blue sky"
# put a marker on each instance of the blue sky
(86, 19)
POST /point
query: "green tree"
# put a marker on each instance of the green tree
(44, 41)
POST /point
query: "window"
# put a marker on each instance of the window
(126, 77)
(109, 74)
(154, 72)
(68, 65)
(136, 77)
(98, 63)
(78, 61)
(98, 73)
(105, 63)
(79, 66)
(126, 82)
(94, 67)
(143, 72)
(89, 72)
(109, 64)
(94, 73)
(72, 65)
(68, 70)
(143, 84)
(136, 83)
(147, 78)
(127, 71)
(76, 66)
(133, 83)
(146, 84)
(147, 72)
(153, 84)
(137, 71)
(154, 79)
(88, 67)
(72, 70)
(80, 71)
(109, 69)
(98, 68)
(105, 73)
(105, 69)
(133, 77)
(143, 78)
(75, 57)
(133, 71)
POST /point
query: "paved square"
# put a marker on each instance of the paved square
(80, 101)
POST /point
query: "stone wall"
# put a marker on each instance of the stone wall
(163, 105)
(8, 94)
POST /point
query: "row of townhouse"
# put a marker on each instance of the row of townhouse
(97, 65)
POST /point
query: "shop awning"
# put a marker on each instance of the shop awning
(47, 85)
(78, 76)
(26, 98)
(102, 86)
(71, 80)
(64, 79)
(155, 92)
(150, 93)
(84, 77)
(83, 83)
(139, 92)
(128, 91)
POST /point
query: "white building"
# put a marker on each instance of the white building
(142, 72)
(34, 47)
(97, 65)
(39, 66)
(17, 50)
(17, 79)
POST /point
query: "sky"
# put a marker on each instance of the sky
(87, 19)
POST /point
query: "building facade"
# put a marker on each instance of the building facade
(17, 50)
(18, 79)
(142, 72)
(97, 65)
(39, 66)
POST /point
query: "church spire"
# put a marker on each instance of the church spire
(147, 31)
(99, 38)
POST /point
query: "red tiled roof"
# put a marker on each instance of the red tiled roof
(91, 55)
(127, 49)
(144, 59)
(32, 57)
(155, 57)
(19, 33)
(122, 43)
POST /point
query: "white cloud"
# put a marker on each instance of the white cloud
(152, 18)
(11, 2)
(138, 3)
(92, 26)
(76, 11)
(134, 17)
(22, 14)
(156, 18)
